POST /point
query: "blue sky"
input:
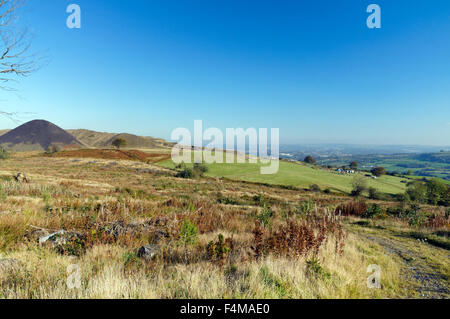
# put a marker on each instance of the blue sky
(311, 68)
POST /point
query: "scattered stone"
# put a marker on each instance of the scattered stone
(64, 242)
(54, 237)
(36, 234)
(147, 252)
(21, 178)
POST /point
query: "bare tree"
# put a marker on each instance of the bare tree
(15, 60)
(14, 45)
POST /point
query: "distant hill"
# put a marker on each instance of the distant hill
(92, 138)
(102, 140)
(37, 135)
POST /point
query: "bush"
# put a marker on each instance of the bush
(309, 160)
(314, 188)
(374, 194)
(351, 209)
(3, 154)
(378, 171)
(416, 218)
(433, 192)
(219, 250)
(200, 169)
(314, 268)
(300, 238)
(186, 173)
(375, 211)
(54, 148)
(119, 142)
(396, 211)
(188, 233)
(359, 184)
(265, 217)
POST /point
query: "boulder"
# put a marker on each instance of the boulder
(65, 242)
(147, 252)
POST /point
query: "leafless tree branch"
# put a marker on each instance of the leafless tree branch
(14, 44)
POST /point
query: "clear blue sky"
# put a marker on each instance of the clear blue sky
(311, 68)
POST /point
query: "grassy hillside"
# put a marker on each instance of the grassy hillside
(101, 140)
(91, 138)
(298, 175)
(111, 208)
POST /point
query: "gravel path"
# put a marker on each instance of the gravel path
(431, 284)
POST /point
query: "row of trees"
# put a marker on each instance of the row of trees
(433, 192)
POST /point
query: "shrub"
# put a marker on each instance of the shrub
(314, 188)
(306, 208)
(3, 154)
(375, 211)
(186, 173)
(395, 211)
(309, 160)
(188, 233)
(374, 194)
(416, 218)
(352, 209)
(416, 191)
(227, 200)
(265, 217)
(299, 238)
(378, 171)
(359, 184)
(438, 193)
(433, 192)
(200, 169)
(54, 148)
(119, 142)
(353, 165)
(219, 250)
(313, 267)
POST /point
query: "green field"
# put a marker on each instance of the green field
(299, 175)
(424, 165)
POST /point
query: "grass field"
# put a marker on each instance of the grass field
(298, 175)
(113, 207)
(426, 165)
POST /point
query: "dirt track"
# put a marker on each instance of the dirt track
(431, 284)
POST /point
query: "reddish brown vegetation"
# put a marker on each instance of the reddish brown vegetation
(351, 209)
(133, 155)
(299, 238)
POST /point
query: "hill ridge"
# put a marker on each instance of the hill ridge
(37, 135)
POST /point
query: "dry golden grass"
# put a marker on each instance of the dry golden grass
(87, 195)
